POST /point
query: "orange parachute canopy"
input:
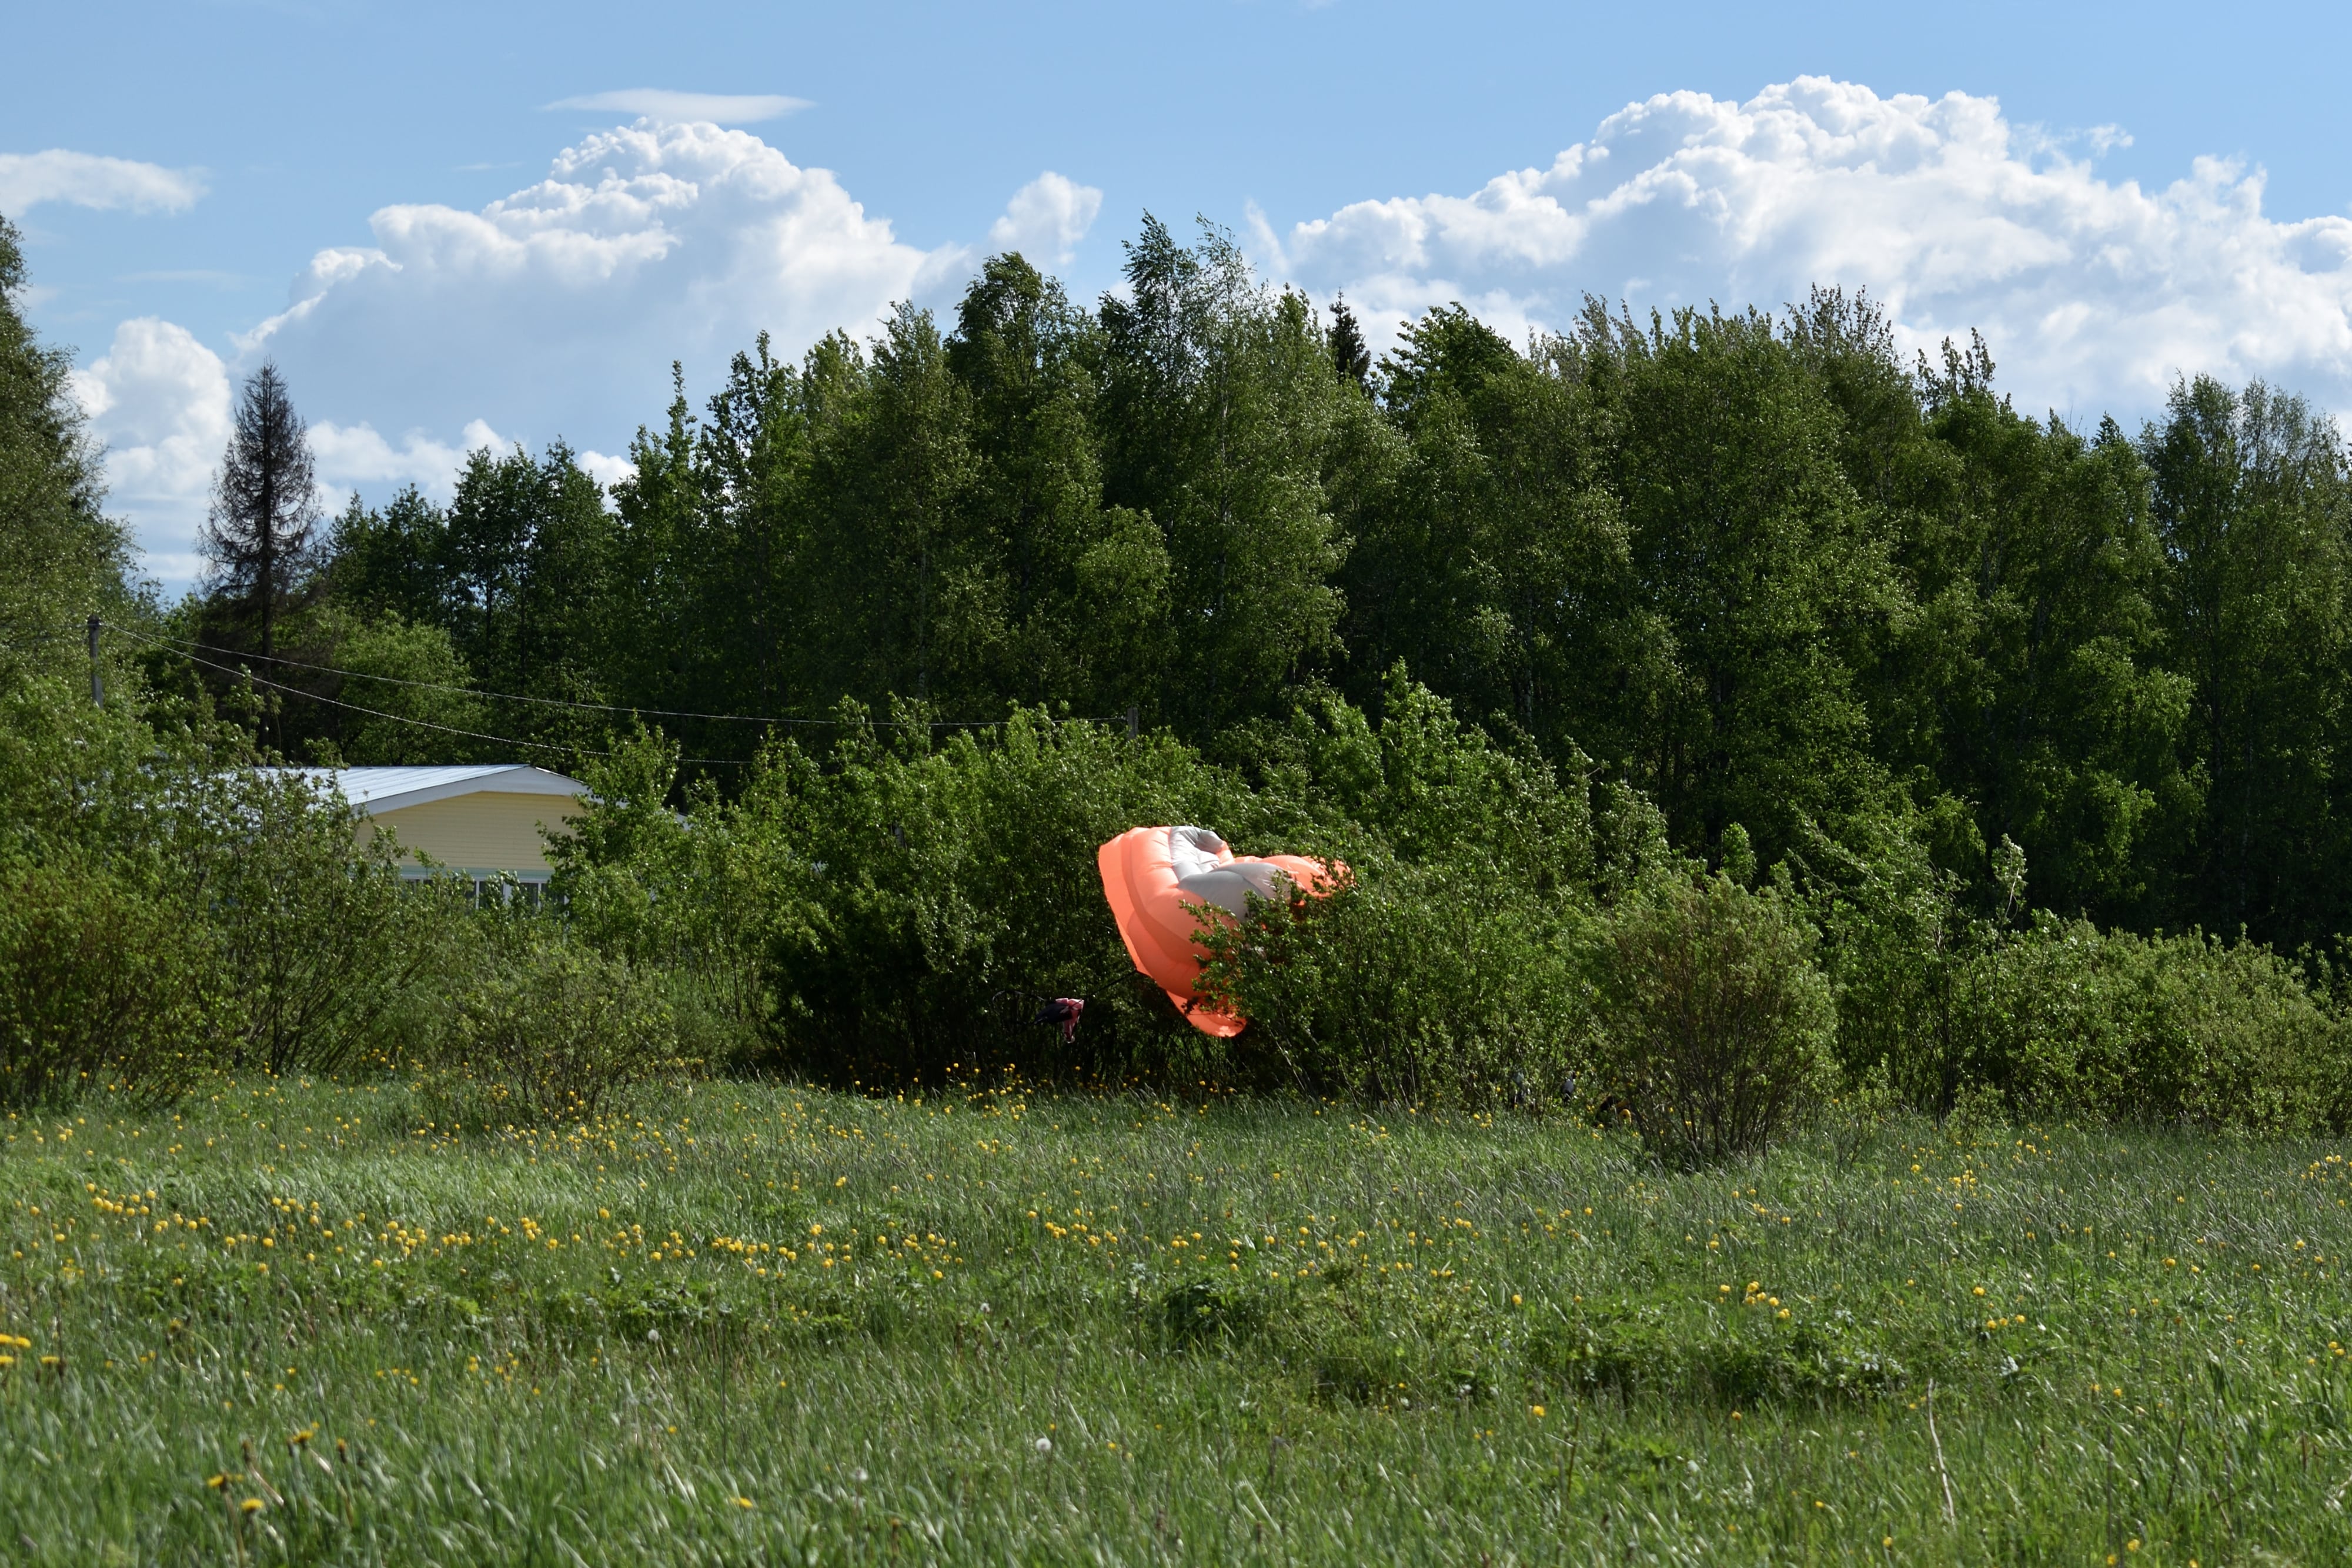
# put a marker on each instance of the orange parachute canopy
(1159, 879)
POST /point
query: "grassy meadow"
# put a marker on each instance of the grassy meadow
(295, 1322)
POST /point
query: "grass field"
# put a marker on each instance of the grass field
(291, 1322)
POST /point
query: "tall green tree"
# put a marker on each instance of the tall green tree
(61, 558)
(1490, 555)
(2031, 682)
(1218, 405)
(394, 560)
(1761, 587)
(527, 556)
(1081, 592)
(751, 586)
(2253, 506)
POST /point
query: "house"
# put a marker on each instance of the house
(482, 822)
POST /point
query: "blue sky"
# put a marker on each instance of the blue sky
(466, 263)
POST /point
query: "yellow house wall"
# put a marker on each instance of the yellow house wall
(479, 832)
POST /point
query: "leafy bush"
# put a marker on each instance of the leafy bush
(1415, 983)
(2055, 1017)
(1717, 1026)
(549, 1029)
(100, 986)
(1446, 967)
(319, 937)
(869, 912)
(2065, 1019)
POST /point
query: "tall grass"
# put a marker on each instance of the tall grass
(752, 1324)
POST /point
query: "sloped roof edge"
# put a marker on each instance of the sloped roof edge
(376, 790)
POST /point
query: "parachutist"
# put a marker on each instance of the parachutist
(1063, 1013)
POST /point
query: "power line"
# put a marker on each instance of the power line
(181, 648)
(192, 649)
(189, 650)
(426, 723)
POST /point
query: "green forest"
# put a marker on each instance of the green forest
(1758, 566)
(1965, 752)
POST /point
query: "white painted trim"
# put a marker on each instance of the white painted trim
(519, 781)
(450, 784)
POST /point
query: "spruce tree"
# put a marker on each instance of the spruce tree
(258, 536)
(1350, 355)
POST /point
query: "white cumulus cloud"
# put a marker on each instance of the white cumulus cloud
(553, 312)
(1047, 219)
(349, 456)
(557, 311)
(662, 104)
(2094, 293)
(160, 401)
(87, 180)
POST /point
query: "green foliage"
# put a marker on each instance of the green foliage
(319, 937)
(409, 673)
(1218, 405)
(182, 909)
(61, 558)
(1445, 969)
(1526, 635)
(2253, 500)
(876, 913)
(547, 1029)
(2065, 1019)
(2055, 1017)
(1417, 984)
(102, 987)
(1718, 1025)
(1758, 566)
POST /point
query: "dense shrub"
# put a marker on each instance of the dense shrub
(2064, 1019)
(1717, 1025)
(884, 911)
(547, 1029)
(319, 939)
(894, 908)
(1415, 983)
(100, 986)
(1446, 967)
(2048, 1017)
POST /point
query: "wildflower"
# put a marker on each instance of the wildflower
(1537, 1411)
(251, 1505)
(1045, 1445)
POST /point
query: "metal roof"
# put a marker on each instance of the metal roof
(393, 789)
